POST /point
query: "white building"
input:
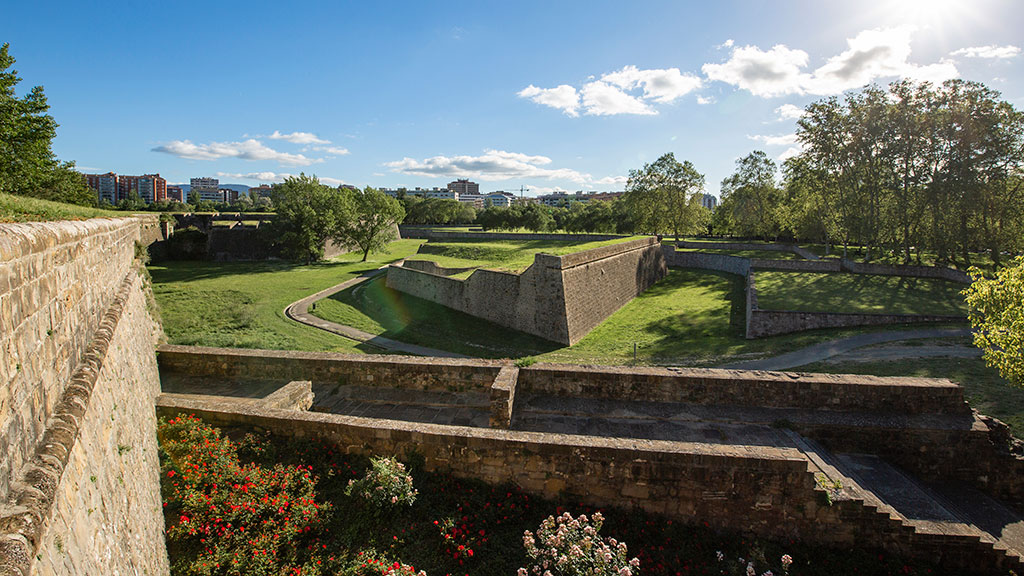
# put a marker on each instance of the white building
(207, 189)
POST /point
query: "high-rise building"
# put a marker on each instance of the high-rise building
(710, 202)
(207, 189)
(229, 195)
(263, 190)
(105, 186)
(151, 188)
(464, 187)
(176, 193)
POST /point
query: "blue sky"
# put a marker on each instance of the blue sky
(547, 95)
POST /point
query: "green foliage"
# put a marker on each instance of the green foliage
(665, 196)
(572, 547)
(997, 315)
(386, 485)
(437, 211)
(28, 166)
(309, 213)
(226, 517)
(373, 223)
(533, 217)
(750, 199)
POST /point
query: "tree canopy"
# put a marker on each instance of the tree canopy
(28, 165)
(996, 310)
(666, 196)
(308, 214)
(373, 223)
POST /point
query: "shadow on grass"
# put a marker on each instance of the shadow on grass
(417, 321)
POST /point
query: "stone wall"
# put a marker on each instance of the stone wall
(939, 272)
(763, 323)
(706, 261)
(440, 235)
(79, 489)
(824, 265)
(560, 298)
(432, 268)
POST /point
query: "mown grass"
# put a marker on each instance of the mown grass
(858, 293)
(241, 304)
(764, 254)
(509, 255)
(984, 388)
(25, 209)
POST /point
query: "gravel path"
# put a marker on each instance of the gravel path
(826, 350)
(299, 311)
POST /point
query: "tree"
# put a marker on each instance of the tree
(996, 310)
(750, 197)
(28, 166)
(308, 214)
(374, 223)
(665, 196)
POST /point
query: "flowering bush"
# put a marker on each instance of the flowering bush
(228, 518)
(386, 484)
(371, 565)
(571, 546)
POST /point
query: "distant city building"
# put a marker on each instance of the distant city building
(176, 193)
(207, 189)
(151, 188)
(464, 187)
(565, 198)
(499, 199)
(710, 202)
(105, 186)
(229, 195)
(261, 191)
(475, 200)
(443, 193)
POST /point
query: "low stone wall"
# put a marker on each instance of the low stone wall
(938, 272)
(432, 268)
(826, 265)
(706, 261)
(79, 479)
(430, 234)
(773, 322)
(560, 298)
(326, 368)
(803, 253)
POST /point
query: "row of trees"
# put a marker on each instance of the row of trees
(309, 214)
(911, 169)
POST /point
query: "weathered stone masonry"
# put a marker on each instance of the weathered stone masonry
(560, 298)
(79, 491)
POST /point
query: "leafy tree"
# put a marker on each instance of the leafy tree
(309, 213)
(996, 310)
(27, 164)
(132, 203)
(374, 222)
(665, 195)
(750, 197)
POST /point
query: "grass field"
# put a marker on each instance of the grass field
(765, 254)
(241, 304)
(510, 255)
(988, 392)
(860, 293)
(692, 317)
(24, 209)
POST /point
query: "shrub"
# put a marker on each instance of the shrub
(228, 518)
(386, 484)
(370, 564)
(571, 547)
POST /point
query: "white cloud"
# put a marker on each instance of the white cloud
(246, 150)
(298, 138)
(789, 112)
(274, 177)
(610, 181)
(332, 150)
(789, 153)
(870, 55)
(704, 101)
(779, 140)
(659, 85)
(563, 97)
(990, 51)
(727, 44)
(772, 73)
(603, 99)
(492, 165)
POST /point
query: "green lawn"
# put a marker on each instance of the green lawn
(982, 260)
(241, 304)
(765, 254)
(692, 317)
(986, 391)
(25, 209)
(861, 293)
(511, 255)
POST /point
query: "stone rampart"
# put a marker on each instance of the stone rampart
(823, 265)
(79, 485)
(560, 298)
(908, 271)
(432, 268)
(802, 252)
(706, 261)
(763, 323)
(441, 235)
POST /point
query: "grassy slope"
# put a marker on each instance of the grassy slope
(858, 293)
(765, 254)
(512, 255)
(24, 209)
(241, 304)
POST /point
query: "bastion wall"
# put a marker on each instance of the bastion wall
(79, 486)
(560, 298)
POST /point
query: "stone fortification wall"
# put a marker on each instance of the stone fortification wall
(432, 268)
(763, 323)
(939, 272)
(746, 246)
(559, 298)
(80, 487)
(706, 261)
(432, 234)
(824, 265)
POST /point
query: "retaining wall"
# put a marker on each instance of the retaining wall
(432, 268)
(560, 298)
(79, 486)
(829, 265)
(706, 261)
(939, 272)
(802, 252)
